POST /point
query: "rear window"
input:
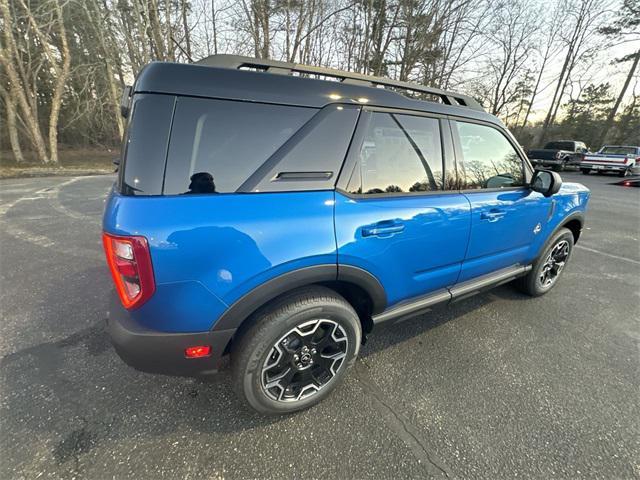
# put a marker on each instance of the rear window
(560, 146)
(619, 150)
(216, 144)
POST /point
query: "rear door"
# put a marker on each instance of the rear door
(395, 214)
(506, 215)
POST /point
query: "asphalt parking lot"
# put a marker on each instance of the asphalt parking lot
(497, 386)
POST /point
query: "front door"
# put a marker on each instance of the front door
(394, 217)
(506, 215)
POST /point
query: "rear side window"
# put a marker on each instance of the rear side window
(399, 154)
(488, 158)
(216, 145)
(145, 145)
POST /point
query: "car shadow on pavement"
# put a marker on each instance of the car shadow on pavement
(392, 333)
(77, 391)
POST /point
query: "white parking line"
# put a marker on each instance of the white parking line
(606, 254)
(22, 232)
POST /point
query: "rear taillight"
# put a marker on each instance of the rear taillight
(625, 160)
(130, 264)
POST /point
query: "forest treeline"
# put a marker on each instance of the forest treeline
(63, 63)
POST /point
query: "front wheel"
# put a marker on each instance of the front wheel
(549, 265)
(585, 171)
(623, 173)
(297, 351)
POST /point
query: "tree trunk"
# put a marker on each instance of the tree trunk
(156, 30)
(19, 88)
(61, 80)
(169, 43)
(614, 110)
(185, 25)
(215, 30)
(13, 129)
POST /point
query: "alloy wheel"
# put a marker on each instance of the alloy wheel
(304, 360)
(554, 263)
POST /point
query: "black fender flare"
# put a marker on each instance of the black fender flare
(562, 224)
(242, 308)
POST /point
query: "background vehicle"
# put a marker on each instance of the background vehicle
(558, 154)
(279, 218)
(612, 158)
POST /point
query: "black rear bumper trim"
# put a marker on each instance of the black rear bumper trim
(161, 352)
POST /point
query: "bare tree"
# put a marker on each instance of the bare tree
(513, 45)
(585, 16)
(49, 34)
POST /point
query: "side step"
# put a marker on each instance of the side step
(457, 292)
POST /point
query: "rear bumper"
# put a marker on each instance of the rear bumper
(161, 352)
(596, 166)
(553, 162)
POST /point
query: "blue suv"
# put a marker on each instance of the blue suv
(277, 213)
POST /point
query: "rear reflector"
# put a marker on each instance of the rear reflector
(130, 264)
(198, 351)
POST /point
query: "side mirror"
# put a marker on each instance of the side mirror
(546, 182)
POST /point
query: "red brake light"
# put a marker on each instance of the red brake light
(198, 351)
(130, 264)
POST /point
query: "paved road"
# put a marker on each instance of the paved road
(497, 386)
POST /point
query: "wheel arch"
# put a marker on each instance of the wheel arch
(574, 223)
(360, 288)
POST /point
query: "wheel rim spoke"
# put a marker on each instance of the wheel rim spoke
(304, 360)
(554, 263)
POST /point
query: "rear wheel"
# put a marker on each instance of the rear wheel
(585, 171)
(549, 265)
(623, 173)
(297, 351)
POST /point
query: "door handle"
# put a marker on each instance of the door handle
(493, 215)
(382, 228)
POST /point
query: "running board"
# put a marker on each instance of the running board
(457, 292)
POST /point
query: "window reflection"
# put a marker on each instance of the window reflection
(400, 153)
(226, 138)
(202, 182)
(489, 160)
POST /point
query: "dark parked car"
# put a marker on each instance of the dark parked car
(278, 217)
(558, 154)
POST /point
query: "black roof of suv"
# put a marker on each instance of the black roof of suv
(268, 81)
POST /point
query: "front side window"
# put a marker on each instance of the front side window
(399, 154)
(488, 158)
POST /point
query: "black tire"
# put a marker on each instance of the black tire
(622, 173)
(585, 171)
(271, 344)
(599, 172)
(533, 283)
(557, 168)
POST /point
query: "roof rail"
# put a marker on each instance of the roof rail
(287, 68)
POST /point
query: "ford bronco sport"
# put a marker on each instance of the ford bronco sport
(277, 213)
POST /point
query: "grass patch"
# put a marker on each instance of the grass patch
(73, 161)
